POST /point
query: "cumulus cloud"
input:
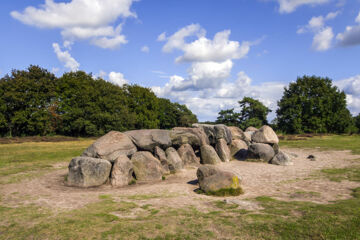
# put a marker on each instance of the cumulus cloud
(351, 36)
(117, 78)
(289, 6)
(206, 103)
(81, 19)
(145, 49)
(322, 40)
(161, 37)
(323, 35)
(66, 58)
(351, 86)
(207, 88)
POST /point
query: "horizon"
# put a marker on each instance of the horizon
(207, 59)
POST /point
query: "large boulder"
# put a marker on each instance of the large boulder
(111, 146)
(223, 150)
(251, 129)
(148, 139)
(282, 159)
(265, 135)
(213, 180)
(161, 155)
(196, 137)
(248, 136)
(261, 152)
(88, 172)
(236, 133)
(174, 161)
(146, 166)
(238, 149)
(215, 132)
(187, 155)
(209, 155)
(122, 171)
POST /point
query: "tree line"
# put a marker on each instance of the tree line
(310, 105)
(36, 102)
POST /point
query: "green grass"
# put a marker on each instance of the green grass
(26, 160)
(334, 142)
(108, 219)
(339, 174)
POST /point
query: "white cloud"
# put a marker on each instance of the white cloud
(81, 19)
(206, 103)
(117, 78)
(162, 37)
(145, 49)
(351, 86)
(351, 36)
(288, 6)
(322, 40)
(323, 35)
(66, 58)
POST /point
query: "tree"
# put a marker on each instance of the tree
(253, 113)
(228, 117)
(25, 100)
(357, 122)
(313, 105)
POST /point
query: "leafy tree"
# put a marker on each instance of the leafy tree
(253, 113)
(357, 122)
(228, 117)
(313, 105)
(145, 104)
(25, 100)
(89, 107)
(185, 117)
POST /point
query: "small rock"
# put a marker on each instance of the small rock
(311, 158)
(251, 129)
(238, 149)
(261, 151)
(146, 166)
(161, 155)
(265, 135)
(187, 155)
(174, 161)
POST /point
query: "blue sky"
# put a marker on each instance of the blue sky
(207, 54)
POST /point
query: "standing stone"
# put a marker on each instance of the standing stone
(209, 155)
(282, 159)
(223, 150)
(161, 155)
(122, 171)
(265, 135)
(174, 161)
(238, 149)
(260, 151)
(187, 155)
(146, 167)
(223, 132)
(148, 139)
(247, 136)
(111, 146)
(88, 172)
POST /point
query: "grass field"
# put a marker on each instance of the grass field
(107, 218)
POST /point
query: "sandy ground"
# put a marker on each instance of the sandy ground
(258, 179)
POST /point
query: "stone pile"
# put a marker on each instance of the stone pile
(148, 155)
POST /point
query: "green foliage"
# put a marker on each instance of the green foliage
(356, 122)
(228, 117)
(35, 102)
(253, 113)
(174, 114)
(313, 105)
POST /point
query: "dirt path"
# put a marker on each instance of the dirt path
(296, 182)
